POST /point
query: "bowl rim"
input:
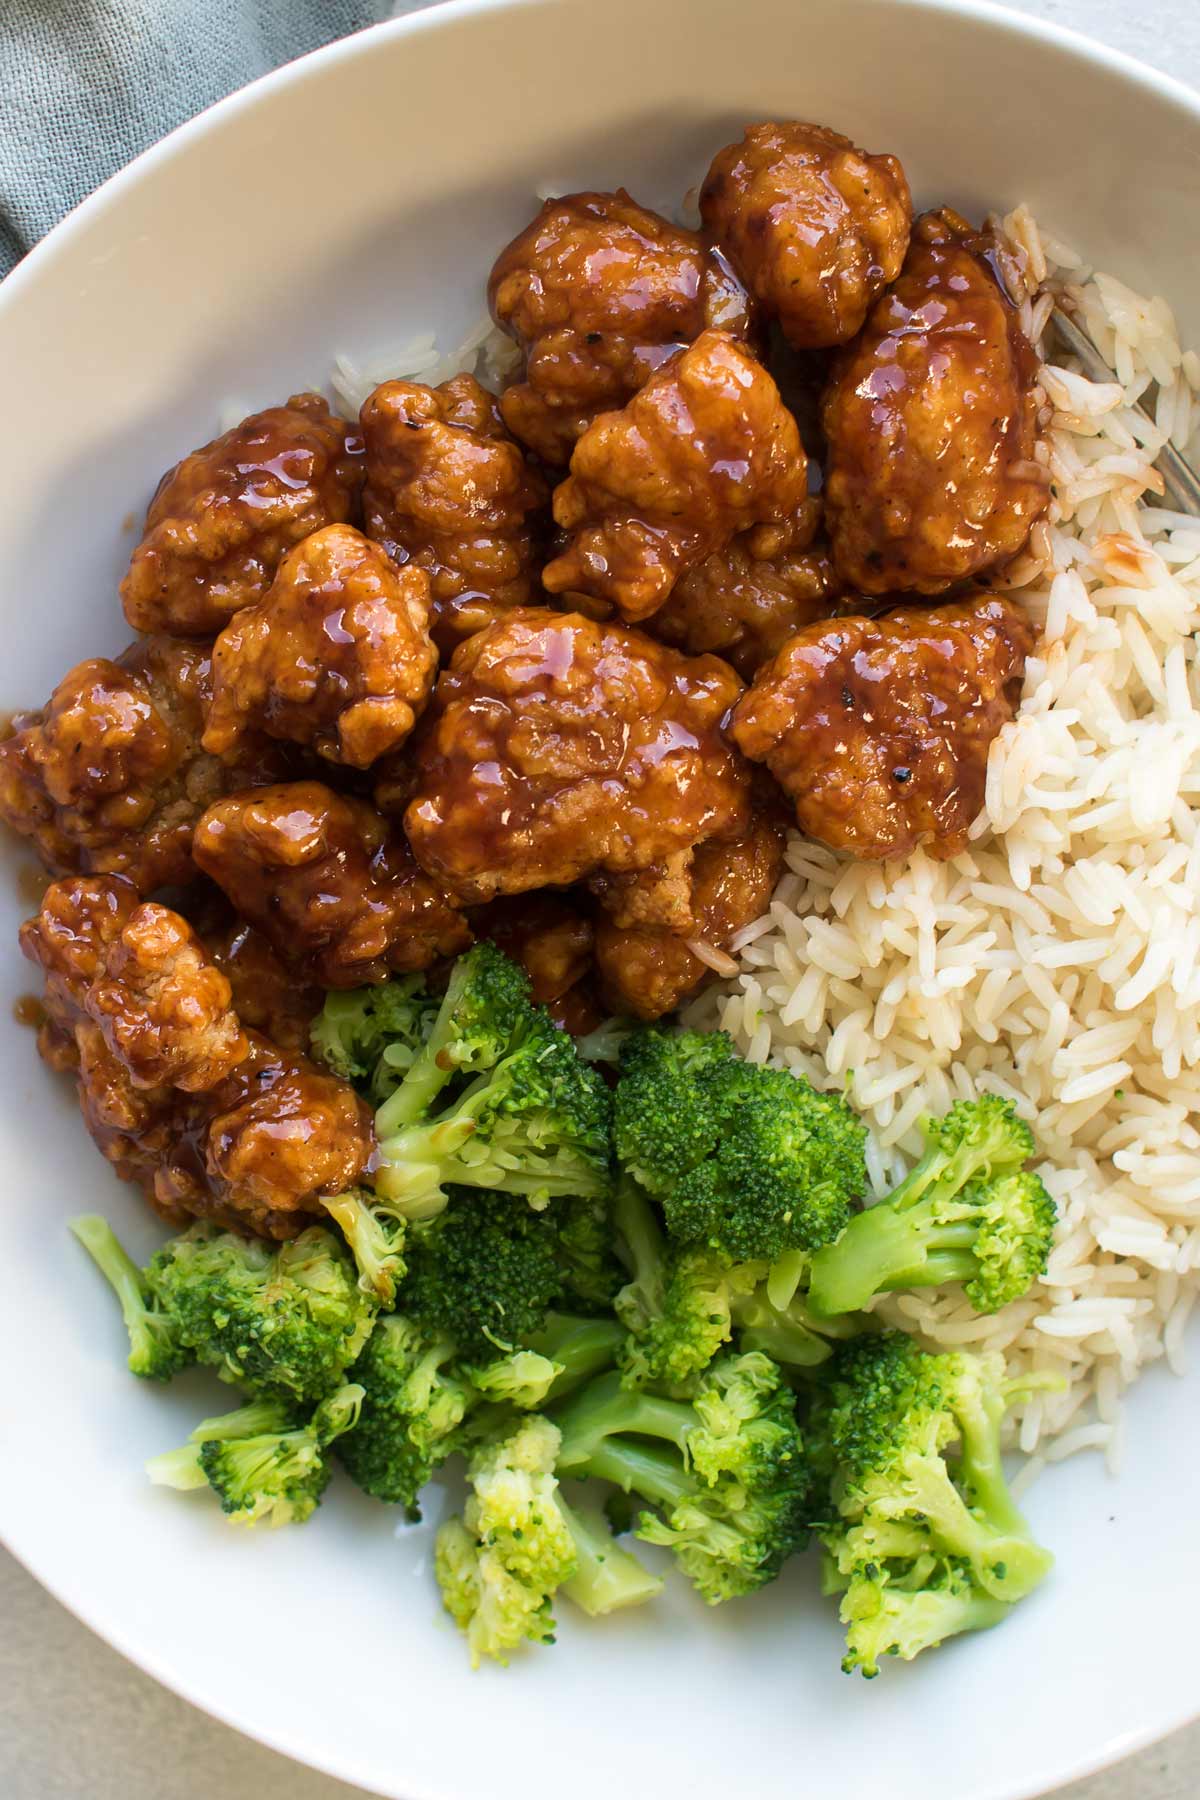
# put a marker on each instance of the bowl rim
(435, 16)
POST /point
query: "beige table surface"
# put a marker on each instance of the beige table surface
(79, 1723)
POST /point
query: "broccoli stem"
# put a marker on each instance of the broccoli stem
(643, 1469)
(607, 1576)
(886, 1248)
(581, 1347)
(116, 1265)
(606, 1408)
(182, 1468)
(431, 1068)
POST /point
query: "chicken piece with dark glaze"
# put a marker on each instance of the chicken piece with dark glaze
(599, 292)
(336, 655)
(745, 607)
(814, 227)
(556, 747)
(138, 972)
(704, 451)
(258, 1151)
(212, 1122)
(646, 971)
(222, 520)
(879, 729)
(109, 776)
(550, 938)
(931, 421)
(449, 490)
(331, 886)
(267, 997)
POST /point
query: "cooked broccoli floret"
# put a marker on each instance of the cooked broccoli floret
(156, 1349)
(682, 1306)
(531, 1119)
(923, 1539)
(372, 1036)
(732, 1491)
(591, 1272)
(265, 1463)
(500, 1565)
(662, 1115)
(415, 1398)
(748, 1161)
(967, 1212)
(484, 1272)
(283, 1320)
(607, 1577)
(375, 1233)
(522, 1378)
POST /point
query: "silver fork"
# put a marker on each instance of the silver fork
(1181, 483)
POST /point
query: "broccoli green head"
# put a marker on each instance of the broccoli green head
(415, 1398)
(266, 1461)
(968, 1212)
(281, 1320)
(748, 1161)
(921, 1533)
(498, 1099)
(662, 1117)
(485, 1272)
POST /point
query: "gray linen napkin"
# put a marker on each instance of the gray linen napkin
(86, 84)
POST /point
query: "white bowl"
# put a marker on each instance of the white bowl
(356, 197)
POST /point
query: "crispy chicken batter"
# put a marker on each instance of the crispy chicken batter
(599, 292)
(211, 1121)
(257, 1151)
(449, 490)
(745, 607)
(266, 994)
(815, 228)
(109, 775)
(879, 729)
(222, 519)
(556, 746)
(543, 932)
(139, 973)
(331, 887)
(336, 655)
(931, 419)
(705, 450)
(647, 971)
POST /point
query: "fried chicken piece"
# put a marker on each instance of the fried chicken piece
(599, 292)
(705, 450)
(257, 1152)
(931, 420)
(336, 655)
(745, 607)
(555, 747)
(222, 519)
(659, 895)
(139, 974)
(543, 932)
(449, 490)
(109, 775)
(266, 995)
(646, 971)
(332, 888)
(815, 227)
(211, 1122)
(879, 729)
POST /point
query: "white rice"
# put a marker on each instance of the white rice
(1058, 960)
